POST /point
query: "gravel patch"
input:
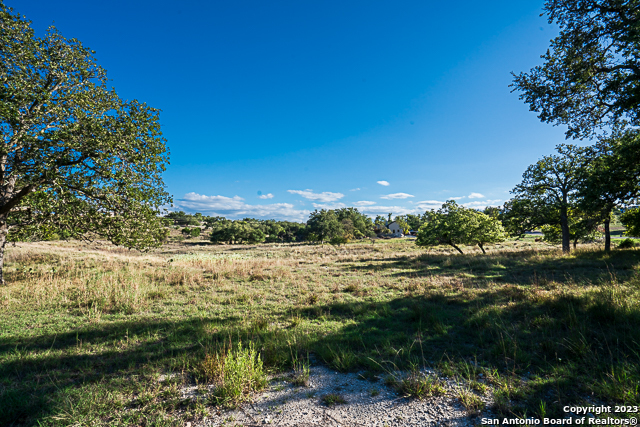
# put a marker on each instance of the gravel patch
(366, 404)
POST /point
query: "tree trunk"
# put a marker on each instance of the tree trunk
(3, 241)
(457, 248)
(480, 244)
(607, 235)
(564, 226)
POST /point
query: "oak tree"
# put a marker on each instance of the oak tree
(74, 155)
(590, 77)
(551, 184)
(456, 225)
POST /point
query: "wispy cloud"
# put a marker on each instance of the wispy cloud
(355, 189)
(475, 196)
(429, 204)
(235, 207)
(482, 203)
(364, 203)
(329, 205)
(397, 196)
(384, 210)
(266, 196)
(455, 198)
(325, 196)
(385, 183)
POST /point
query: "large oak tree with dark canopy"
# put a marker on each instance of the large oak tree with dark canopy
(551, 185)
(590, 78)
(74, 155)
(610, 176)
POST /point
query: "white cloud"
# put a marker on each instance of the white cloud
(429, 204)
(482, 203)
(385, 183)
(396, 196)
(355, 189)
(455, 198)
(475, 196)
(364, 203)
(266, 196)
(326, 196)
(329, 205)
(384, 210)
(235, 207)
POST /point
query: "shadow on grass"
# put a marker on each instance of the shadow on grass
(45, 376)
(529, 346)
(532, 343)
(518, 267)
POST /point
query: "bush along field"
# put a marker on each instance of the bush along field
(96, 335)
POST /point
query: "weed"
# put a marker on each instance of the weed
(260, 324)
(236, 372)
(341, 360)
(478, 387)
(416, 384)
(352, 288)
(312, 299)
(295, 321)
(300, 371)
(333, 399)
(472, 403)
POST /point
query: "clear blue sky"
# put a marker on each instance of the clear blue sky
(272, 109)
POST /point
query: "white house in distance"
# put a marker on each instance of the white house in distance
(394, 227)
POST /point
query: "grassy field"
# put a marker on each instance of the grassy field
(96, 335)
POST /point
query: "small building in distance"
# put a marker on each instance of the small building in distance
(394, 227)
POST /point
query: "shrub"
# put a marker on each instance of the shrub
(627, 244)
(191, 232)
(339, 240)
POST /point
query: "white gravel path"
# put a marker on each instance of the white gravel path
(283, 404)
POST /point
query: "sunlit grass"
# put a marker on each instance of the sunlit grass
(94, 334)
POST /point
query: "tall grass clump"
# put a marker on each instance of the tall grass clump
(415, 384)
(236, 372)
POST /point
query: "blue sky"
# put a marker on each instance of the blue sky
(272, 109)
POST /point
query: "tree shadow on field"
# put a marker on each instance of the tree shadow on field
(557, 350)
(40, 376)
(567, 347)
(198, 244)
(517, 267)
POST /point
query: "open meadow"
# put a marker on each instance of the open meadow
(93, 334)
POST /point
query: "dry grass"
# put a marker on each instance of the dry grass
(93, 324)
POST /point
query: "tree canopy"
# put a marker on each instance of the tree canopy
(631, 220)
(324, 224)
(550, 185)
(74, 155)
(590, 78)
(456, 225)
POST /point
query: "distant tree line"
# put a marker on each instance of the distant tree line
(334, 226)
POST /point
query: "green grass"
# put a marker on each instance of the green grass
(416, 384)
(237, 373)
(333, 399)
(96, 335)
